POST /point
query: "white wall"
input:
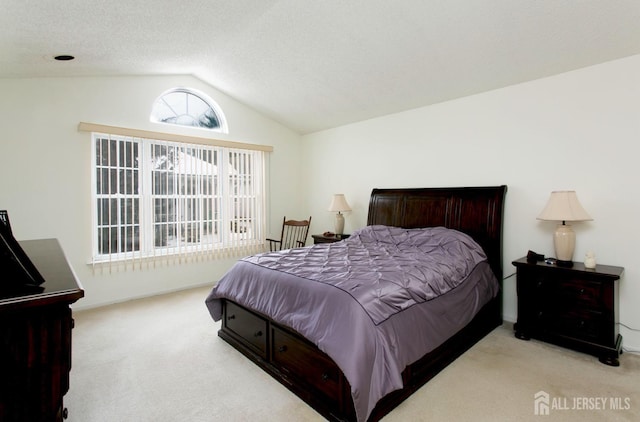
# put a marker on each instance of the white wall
(579, 130)
(45, 169)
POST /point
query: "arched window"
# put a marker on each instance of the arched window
(187, 107)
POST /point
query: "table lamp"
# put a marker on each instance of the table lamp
(564, 206)
(339, 205)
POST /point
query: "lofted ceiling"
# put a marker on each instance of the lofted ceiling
(313, 65)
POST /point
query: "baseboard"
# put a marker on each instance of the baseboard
(79, 307)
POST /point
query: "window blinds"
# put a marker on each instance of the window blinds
(175, 201)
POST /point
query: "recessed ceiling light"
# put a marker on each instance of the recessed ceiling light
(64, 58)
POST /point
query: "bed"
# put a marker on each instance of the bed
(313, 319)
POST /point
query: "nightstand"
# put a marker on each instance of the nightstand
(321, 238)
(573, 307)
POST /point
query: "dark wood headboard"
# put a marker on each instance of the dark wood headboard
(476, 211)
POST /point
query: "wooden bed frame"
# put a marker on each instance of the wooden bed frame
(311, 374)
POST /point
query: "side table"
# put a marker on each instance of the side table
(322, 238)
(573, 307)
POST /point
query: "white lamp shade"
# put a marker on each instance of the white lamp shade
(564, 206)
(339, 203)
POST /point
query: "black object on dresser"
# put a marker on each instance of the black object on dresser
(328, 238)
(35, 338)
(573, 307)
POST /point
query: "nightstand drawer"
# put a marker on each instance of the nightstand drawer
(581, 293)
(561, 293)
(581, 325)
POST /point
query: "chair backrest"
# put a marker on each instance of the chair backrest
(294, 233)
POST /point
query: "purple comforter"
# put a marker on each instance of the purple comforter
(375, 302)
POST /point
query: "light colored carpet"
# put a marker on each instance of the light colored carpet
(160, 359)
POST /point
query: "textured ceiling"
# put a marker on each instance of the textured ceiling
(313, 65)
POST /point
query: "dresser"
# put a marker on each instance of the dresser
(35, 339)
(574, 307)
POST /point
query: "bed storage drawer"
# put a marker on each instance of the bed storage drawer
(250, 327)
(293, 356)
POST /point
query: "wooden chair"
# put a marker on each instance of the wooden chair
(294, 235)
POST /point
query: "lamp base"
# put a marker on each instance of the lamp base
(564, 241)
(561, 263)
(339, 226)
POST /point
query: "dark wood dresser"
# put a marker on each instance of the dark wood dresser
(35, 339)
(574, 307)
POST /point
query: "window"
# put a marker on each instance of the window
(162, 198)
(188, 107)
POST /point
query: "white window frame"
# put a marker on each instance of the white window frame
(231, 165)
(183, 109)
